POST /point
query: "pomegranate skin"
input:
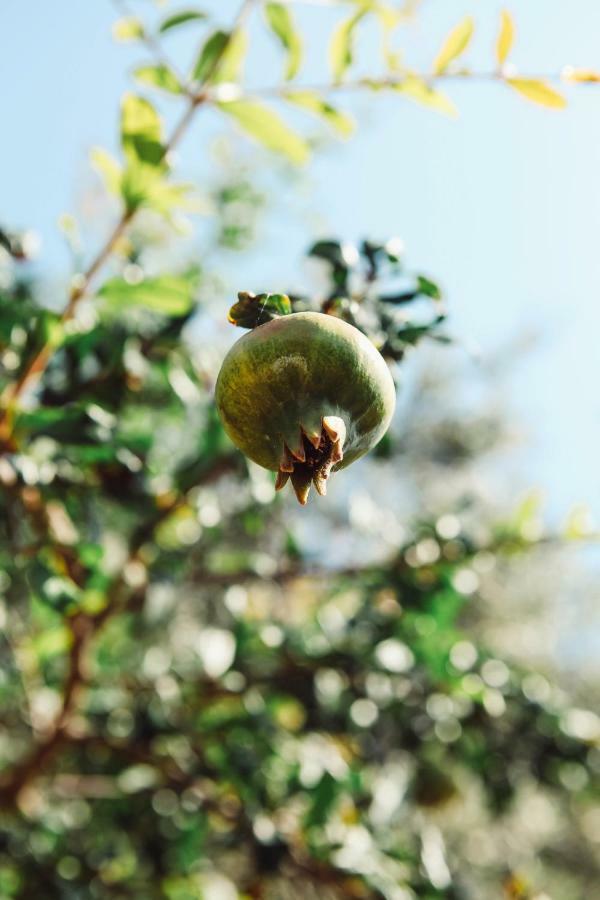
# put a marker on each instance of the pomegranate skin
(305, 393)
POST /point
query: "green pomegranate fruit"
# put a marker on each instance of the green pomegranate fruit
(304, 395)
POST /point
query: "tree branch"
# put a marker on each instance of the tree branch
(37, 366)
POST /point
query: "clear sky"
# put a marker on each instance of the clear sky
(502, 205)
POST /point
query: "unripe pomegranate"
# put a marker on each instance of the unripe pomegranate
(304, 395)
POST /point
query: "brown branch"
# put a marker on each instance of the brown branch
(37, 366)
(84, 629)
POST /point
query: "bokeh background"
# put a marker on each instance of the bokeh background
(502, 203)
(389, 693)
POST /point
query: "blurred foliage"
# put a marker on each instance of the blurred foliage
(192, 706)
(193, 702)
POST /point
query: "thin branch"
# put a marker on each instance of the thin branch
(391, 82)
(84, 628)
(156, 49)
(37, 366)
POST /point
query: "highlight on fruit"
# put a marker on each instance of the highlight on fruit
(304, 394)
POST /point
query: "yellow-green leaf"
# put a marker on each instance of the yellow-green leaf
(538, 92)
(506, 37)
(341, 47)
(159, 76)
(171, 295)
(141, 132)
(417, 89)
(579, 524)
(230, 64)
(455, 45)
(265, 126)
(108, 168)
(209, 56)
(128, 28)
(314, 103)
(580, 76)
(282, 25)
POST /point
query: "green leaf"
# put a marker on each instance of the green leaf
(144, 185)
(506, 37)
(180, 18)
(455, 45)
(341, 48)
(282, 25)
(253, 310)
(538, 92)
(141, 132)
(428, 288)
(109, 169)
(128, 28)
(268, 128)
(170, 295)
(159, 76)
(229, 66)
(313, 103)
(209, 56)
(417, 89)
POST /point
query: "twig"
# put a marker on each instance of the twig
(155, 47)
(391, 82)
(37, 366)
(84, 628)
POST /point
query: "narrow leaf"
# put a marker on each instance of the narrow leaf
(108, 167)
(210, 55)
(180, 18)
(538, 92)
(268, 128)
(170, 295)
(159, 76)
(428, 288)
(580, 76)
(141, 132)
(506, 37)
(455, 45)
(282, 25)
(129, 28)
(341, 48)
(417, 89)
(230, 63)
(313, 103)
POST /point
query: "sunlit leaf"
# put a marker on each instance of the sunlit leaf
(252, 310)
(108, 167)
(421, 92)
(527, 516)
(230, 63)
(282, 25)
(128, 28)
(580, 76)
(579, 524)
(314, 103)
(141, 132)
(170, 295)
(159, 76)
(265, 126)
(181, 18)
(538, 92)
(455, 45)
(341, 47)
(506, 37)
(209, 56)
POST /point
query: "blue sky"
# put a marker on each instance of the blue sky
(501, 205)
